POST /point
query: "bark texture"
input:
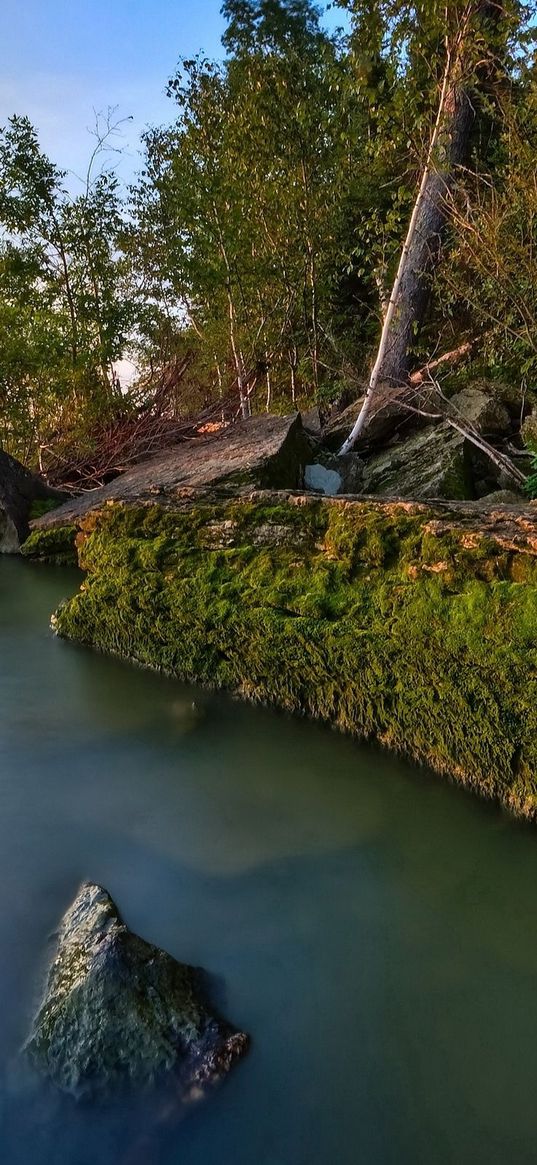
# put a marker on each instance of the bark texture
(420, 254)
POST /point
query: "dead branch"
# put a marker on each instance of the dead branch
(453, 357)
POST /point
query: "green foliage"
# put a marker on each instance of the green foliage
(39, 508)
(262, 235)
(254, 196)
(530, 439)
(270, 216)
(64, 316)
(366, 617)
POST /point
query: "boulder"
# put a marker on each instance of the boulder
(320, 479)
(262, 452)
(480, 405)
(504, 497)
(118, 1011)
(484, 410)
(424, 460)
(19, 489)
(381, 423)
(351, 468)
(9, 538)
(312, 421)
(433, 463)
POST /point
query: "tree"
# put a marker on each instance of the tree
(469, 32)
(64, 314)
(246, 188)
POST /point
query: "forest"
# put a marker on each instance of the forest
(327, 212)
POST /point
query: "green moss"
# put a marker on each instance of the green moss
(54, 544)
(376, 619)
(45, 506)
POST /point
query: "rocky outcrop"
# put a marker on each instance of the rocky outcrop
(118, 1011)
(9, 538)
(423, 460)
(436, 461)
(483, 409)
(19, 489)
(433, 463)
(411, 623)
(262, 452)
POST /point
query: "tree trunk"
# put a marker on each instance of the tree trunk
(421, 250)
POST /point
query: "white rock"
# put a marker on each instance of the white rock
(326, 481)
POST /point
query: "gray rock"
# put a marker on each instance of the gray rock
(433, 463)
(322, 480)
(380, 423)
(118, 1011)
(263, 452)
(18, 490)
(9, 538)
(311, 420)
(351, 468)
(504, 497)
(483, 410)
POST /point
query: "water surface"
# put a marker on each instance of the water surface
(371, 927)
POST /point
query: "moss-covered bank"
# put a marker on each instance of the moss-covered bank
(384, 619)
(54, 545)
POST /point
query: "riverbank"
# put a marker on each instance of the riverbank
(408, 623)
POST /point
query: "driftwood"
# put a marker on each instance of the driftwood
(455, 356)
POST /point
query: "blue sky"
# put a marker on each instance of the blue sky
(60, 59)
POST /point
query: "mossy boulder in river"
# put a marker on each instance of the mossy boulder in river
(414, 623)
(117, 1010)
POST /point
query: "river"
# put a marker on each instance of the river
(371, 927)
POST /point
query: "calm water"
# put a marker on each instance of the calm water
(372, 928)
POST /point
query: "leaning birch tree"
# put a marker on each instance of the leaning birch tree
(469, 31)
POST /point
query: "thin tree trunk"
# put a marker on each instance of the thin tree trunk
(268, 403)
(246, 389)
(293, 361)
(68, 292)
(219, 382)
(237, 360)
(421, 248)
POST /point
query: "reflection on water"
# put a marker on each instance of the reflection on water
(371, 927)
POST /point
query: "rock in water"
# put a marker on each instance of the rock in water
(18, 489)
(118, 1011)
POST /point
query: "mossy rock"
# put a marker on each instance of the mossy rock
(412, 624)
(55, 545)
(433, 463)
(20, 491)
(119, 1012)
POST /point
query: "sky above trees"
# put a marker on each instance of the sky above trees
(60, 61)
